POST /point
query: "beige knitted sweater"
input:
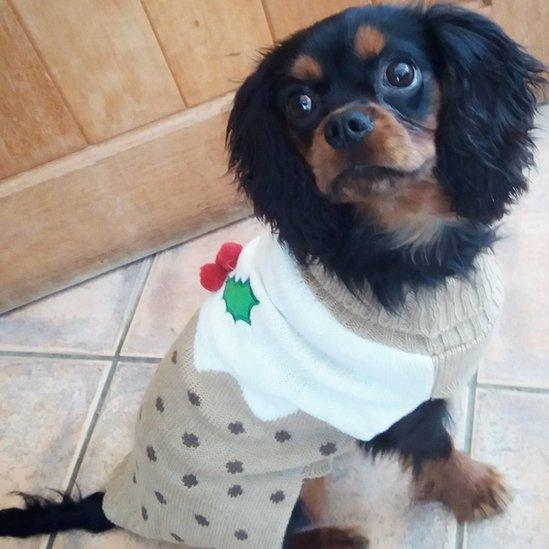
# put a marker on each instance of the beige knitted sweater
(219, 459)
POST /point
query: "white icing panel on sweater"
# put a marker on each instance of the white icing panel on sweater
(294, 355)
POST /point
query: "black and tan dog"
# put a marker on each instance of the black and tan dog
(382, 143)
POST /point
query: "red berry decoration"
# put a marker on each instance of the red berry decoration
(212, 276)
(227, 256)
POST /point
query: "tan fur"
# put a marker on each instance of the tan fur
(313, 495)
(326, 162)
(393, 145)
(306, 67)
(369, 42)
(390, 144)
(414, 211)
(327, 538)
(471, 489)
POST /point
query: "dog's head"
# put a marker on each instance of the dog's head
(380, 128)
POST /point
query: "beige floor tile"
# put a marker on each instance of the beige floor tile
(173, 292)
(113, 434)
(511, 433)
(110, 442)
(87, 318)
(518, 354)
(44, 410)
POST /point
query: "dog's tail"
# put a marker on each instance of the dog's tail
(46, 516)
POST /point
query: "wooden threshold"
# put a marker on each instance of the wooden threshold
(115, 202)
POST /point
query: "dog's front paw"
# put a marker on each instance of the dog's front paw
(471, 489)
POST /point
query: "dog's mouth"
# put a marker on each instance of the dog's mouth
(362, 180)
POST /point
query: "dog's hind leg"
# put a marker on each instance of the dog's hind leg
(302, 533)
(45, 516)
(471, 489)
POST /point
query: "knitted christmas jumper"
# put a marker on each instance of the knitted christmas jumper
(279, 372)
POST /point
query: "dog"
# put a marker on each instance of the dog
(381, 145)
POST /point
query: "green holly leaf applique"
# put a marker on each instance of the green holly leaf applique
(239, 299)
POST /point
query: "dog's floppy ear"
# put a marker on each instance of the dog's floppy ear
(260, 150)
(267, 164)
(488, 104)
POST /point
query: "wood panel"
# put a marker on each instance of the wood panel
(104, 57)
(115, 202)
(480, 6)
(35, 125)
(527, 21)
(210, 45)
(287, 16)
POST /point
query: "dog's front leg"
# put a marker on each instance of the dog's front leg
(471, 489)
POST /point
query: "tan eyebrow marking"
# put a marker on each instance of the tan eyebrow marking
(369, 42)
(306, 67)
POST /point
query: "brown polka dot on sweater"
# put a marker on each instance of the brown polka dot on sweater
(190, 480)
(177, 538)
(174, 357)
(235, 490)
(202, 520)
(144, 513)
(159, 404)
(194, 399)
(236, 427)
(282, 436)
(190, 440)
(160, 498)
(241, 535)
(328, 449)
(234, 467)
(151, 454)
(278, 496)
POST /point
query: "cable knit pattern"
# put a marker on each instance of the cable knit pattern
(451, 323)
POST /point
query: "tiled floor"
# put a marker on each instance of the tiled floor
(73, 367)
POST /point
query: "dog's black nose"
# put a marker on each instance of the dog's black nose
(347, 128)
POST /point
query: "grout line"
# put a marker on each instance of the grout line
(521, 389)
(467, 443)
(81, 451)
(134, 300)
(470, 416)
(80, 356)
(91, 426)
(131, 309)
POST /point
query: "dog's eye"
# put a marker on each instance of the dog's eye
(300, 105)
(401, 74)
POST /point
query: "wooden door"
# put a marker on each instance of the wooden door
(112, 121)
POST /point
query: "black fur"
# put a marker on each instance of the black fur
(483, 145)
(417, 437)
(44, 516)
(488, 104)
